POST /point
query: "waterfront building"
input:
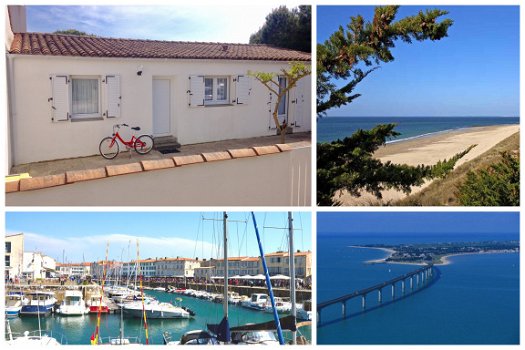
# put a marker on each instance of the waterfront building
(278, 263)
(14, 255)
(37, 265)
(176, 267)
(208, 268)
(74, 269)
(204, 272)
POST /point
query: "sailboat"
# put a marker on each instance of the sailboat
(263, 333)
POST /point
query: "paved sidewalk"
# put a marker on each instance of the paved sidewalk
(92, 162)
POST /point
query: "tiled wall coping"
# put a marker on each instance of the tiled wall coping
(69, 177)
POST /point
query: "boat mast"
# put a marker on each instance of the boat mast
(225, 233)
(268, 284)
(141, 293)
(291, 256)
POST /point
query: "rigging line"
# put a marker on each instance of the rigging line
(197, 239)
(302, 233)
(237, 231)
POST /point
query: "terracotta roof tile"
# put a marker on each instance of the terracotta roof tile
(86, 46)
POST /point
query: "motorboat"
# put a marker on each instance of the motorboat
(40, 303)
(235, 298)
(282, 305)
(133, 299)
(30, 339)
(305, 312)
(73, 304)
(257, 301)
(95, 304)
(13, 304)
(155, 309)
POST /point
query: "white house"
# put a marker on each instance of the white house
(37, 266)
(65, 92)
(74, 269)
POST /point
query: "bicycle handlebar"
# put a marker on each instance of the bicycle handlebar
(119, 125)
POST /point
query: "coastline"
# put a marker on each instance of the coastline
(376, 261)
(445, 259)
(429, 150)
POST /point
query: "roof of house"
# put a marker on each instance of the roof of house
(44, 44)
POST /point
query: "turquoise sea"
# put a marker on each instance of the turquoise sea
(78, 330)
(475, 300)
(333, 128)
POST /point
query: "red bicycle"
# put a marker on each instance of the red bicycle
(109, 146)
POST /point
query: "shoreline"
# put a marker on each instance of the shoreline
(445, 259)
(376, 261)
(428, 151)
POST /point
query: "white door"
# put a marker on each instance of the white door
(161, 107)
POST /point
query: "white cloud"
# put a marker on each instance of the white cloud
(94, 247)
(215, 22)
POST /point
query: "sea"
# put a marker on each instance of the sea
(334, 128)
(474, 300)
(77, 330)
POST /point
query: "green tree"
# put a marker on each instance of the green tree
(351, 55)
(498, 185)
(349, 165)
(72, 32)
(290, 29)
(296, 71)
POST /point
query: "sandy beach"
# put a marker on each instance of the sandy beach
(376, 261)
(430, 149)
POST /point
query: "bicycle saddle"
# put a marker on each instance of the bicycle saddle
(136, 128)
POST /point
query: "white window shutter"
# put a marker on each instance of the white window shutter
(196, 91)
(60, 105)
(271, 105)
(243, 89)
(113, 96)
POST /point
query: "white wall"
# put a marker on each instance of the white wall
(37, 264)
(35, 137)
(282, 179)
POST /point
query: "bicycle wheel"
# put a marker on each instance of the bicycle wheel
(108, 148)
(143, 144)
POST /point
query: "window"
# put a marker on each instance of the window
(7, 260)
(85, 97)
(216, 90)
(8, 247)
(282, 105)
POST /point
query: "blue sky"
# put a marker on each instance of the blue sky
(417, 223)
(472, 72)
(214, 22)
(161, 234)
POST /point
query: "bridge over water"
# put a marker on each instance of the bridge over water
(417, 280)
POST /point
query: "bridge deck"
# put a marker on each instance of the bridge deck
(365, 291)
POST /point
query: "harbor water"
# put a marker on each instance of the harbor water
(79, 329)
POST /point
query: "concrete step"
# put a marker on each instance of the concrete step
(165, 143)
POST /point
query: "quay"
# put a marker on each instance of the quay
(59, 290)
